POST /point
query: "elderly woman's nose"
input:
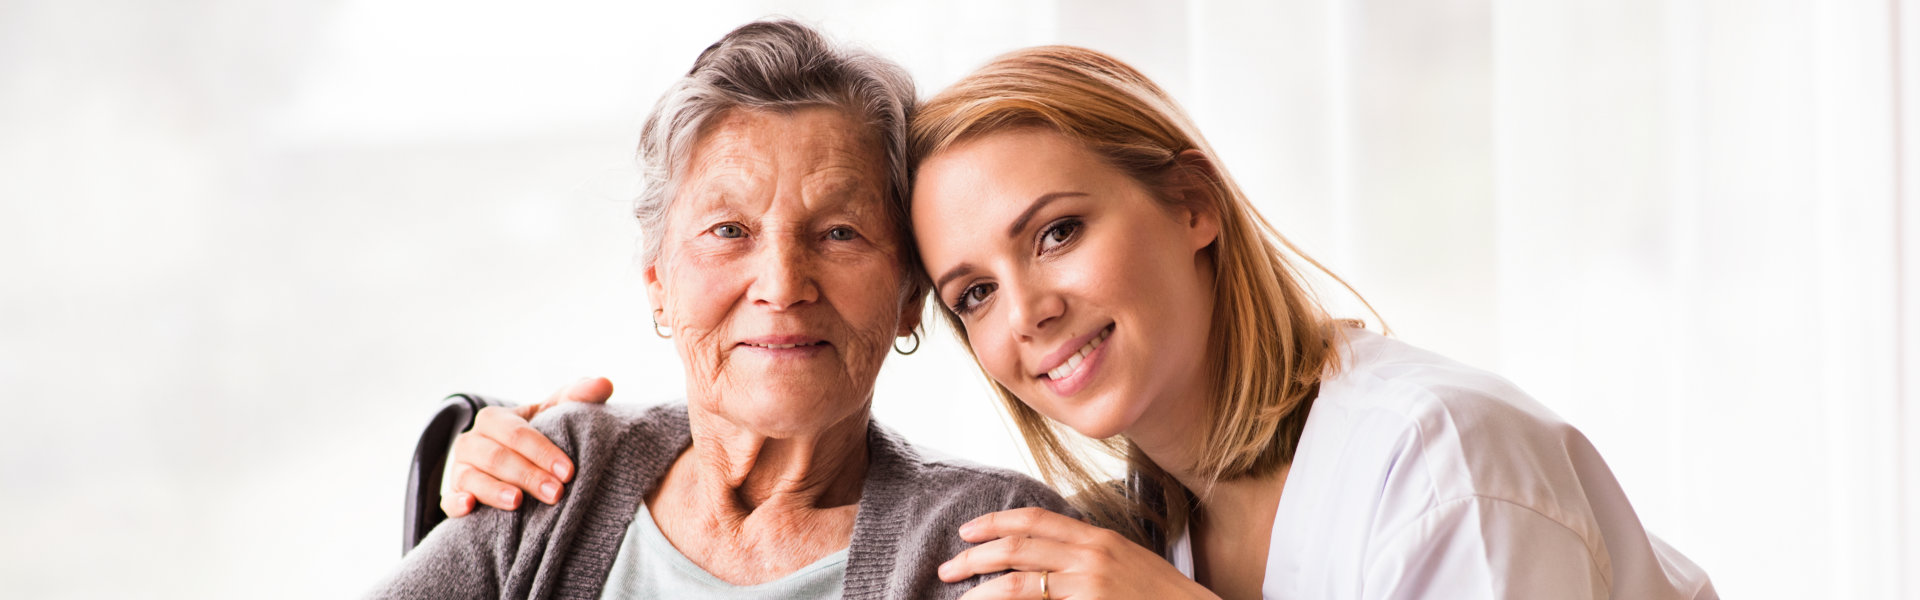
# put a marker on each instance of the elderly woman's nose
(783, 273)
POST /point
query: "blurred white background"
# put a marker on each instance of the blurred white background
(246, 246)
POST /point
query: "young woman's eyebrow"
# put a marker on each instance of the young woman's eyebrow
(1020, 223)
(955, 273)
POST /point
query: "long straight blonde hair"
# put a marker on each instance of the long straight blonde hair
(1270, 340)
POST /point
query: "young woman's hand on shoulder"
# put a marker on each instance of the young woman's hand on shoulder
(503, 456)
(1058, 557)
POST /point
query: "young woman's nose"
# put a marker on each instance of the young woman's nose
(783, 274)
(1033, 308)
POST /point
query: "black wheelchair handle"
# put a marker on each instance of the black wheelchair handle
(454, 416)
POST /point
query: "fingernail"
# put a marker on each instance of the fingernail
(560, 469)
(966, 528)
(507, 496)
(550, 491)
(946, 570)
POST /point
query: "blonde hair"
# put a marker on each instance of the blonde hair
(1270, 339)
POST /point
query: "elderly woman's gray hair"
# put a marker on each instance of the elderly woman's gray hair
(777, 65)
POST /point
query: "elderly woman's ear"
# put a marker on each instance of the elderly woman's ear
(911, 310)
(656, 296)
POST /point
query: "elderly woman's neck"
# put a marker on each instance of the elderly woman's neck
(750, 508)
(743, 471)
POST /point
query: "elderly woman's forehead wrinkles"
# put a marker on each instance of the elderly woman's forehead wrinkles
(722, 173)
(730, 154)
(850, 144)
(848, 199)
(841, 181)
(849, 169)
(719, 190)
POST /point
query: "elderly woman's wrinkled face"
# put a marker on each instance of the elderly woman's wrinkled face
(780, 273)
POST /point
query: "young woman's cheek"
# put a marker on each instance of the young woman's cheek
(996, 351)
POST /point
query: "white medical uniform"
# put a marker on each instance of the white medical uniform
(1420, 477)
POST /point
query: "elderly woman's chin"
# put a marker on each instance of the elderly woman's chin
(784, 399)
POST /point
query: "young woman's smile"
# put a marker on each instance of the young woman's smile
(1080, 290)
(1075, 363)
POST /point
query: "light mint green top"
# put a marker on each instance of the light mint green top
(648, 566)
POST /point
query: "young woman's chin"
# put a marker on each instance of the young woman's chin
(1100, 430)
(1099, 416)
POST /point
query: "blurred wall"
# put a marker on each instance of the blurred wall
(245, 246)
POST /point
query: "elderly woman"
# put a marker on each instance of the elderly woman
(782, 272)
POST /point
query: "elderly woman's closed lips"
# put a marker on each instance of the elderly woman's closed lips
(779, 265)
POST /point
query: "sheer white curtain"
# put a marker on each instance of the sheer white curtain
(1700, 254)
(246, 245)
(1773, 162)
(1685, 225)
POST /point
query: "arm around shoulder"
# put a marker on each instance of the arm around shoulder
(475, 556)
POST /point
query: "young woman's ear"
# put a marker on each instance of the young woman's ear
(1199, 200)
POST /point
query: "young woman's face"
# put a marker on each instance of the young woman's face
(1079, 291)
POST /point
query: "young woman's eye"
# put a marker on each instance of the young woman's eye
(972, 297)
(841, 234)
(729, 231)
(1058, 234)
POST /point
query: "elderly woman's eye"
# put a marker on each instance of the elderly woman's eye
(841, 234)
(971, 297)
(729, 231)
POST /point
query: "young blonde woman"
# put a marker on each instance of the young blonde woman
(1117, 286)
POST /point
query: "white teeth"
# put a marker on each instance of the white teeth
(1073, 362)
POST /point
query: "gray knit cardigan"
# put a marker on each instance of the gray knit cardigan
(910, 510)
